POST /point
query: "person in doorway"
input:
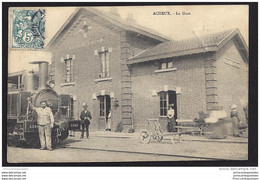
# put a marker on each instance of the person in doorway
(108, 121)
(235, 120)
(85, 117)
(171, 120)
(45, 123)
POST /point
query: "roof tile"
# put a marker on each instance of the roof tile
(185, 45)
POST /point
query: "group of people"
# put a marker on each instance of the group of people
(236, 121)
(46, 122)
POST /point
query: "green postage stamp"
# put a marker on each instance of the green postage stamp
(28, 29)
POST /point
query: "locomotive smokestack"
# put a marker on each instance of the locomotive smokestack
(43, 73)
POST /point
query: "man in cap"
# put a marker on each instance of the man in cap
(85, 117)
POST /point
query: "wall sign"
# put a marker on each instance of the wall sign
(88, 43)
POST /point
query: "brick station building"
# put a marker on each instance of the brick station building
(115, 64)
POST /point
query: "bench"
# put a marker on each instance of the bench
(188, 130)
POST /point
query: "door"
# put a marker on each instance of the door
(104, 107)
(173, 100)
(165, 99)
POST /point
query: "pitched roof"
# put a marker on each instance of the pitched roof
(122, 23)
(17, 73)
(207, 43)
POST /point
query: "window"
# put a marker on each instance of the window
(12, 104)
(102, 106)
(66, 105)
(16, 82)
(104, 58)
(69, 70)
(71, 107)
(166, 65)
(163, 104)
(167, 98)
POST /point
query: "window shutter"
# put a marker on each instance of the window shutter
(103, 70)
(67, 70)
(71, 70)
(64, 71)
(107, 64)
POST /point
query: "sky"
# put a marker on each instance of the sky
(201, 20)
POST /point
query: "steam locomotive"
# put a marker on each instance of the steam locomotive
(22, 121)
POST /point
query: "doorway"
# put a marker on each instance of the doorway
(166, 99)
(173, 100)
(104, 108)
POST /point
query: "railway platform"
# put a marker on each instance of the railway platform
(186, 137)
(192, 147)
(119, 147)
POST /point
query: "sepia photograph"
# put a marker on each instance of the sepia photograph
(95, 84)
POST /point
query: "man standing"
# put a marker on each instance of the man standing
(85, 117)
(45, 123)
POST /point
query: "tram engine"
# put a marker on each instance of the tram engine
(22, 120)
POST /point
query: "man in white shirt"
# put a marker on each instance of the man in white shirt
(45, 123)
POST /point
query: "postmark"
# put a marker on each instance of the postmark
(28, 29)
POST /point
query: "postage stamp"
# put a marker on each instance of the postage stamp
(28, 29)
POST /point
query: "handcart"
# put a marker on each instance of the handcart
(155, 132)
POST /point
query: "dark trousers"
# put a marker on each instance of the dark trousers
(82, 130)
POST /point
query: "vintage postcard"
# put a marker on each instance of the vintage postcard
(128, 84)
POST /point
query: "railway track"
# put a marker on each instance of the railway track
(147, 153)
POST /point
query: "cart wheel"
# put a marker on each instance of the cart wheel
(145, 137)
(158, 138)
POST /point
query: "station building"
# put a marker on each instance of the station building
(115, 64)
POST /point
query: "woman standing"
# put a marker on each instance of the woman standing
(171, 120)
(235, 120)
(108, 124)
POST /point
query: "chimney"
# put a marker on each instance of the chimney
(43, 73)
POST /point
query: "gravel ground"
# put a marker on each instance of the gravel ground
(19, 155)
(87, 150)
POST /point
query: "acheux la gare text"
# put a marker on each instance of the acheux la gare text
(168, 13)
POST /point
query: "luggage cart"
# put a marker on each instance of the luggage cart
(155, 132)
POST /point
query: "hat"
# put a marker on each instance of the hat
(234, 106)
(171, 105)
(84, 104)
